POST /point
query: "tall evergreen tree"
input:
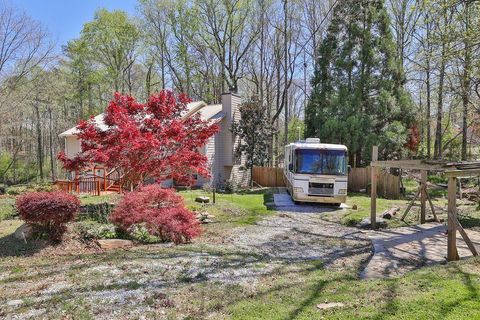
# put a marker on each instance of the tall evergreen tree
(255, 134)
(358, 97)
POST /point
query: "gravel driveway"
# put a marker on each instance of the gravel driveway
(121, 283)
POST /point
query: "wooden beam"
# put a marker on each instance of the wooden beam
(452, 253)
(408, 164)
(423, 196)
(462, 173)
(465, 236)
(373, 189)
(431, 206)
(411, 203)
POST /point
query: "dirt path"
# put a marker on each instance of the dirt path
(399, 250)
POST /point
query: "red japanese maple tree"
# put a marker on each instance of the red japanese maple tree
(153, 139)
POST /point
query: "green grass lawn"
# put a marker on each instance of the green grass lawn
(362, 201)
(236, 208)
(441, 292)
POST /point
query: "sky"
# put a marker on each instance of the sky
(65, 18)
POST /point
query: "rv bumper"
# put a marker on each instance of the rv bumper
(319, 199)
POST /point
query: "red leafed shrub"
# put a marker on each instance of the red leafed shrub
(161, 211)
(50, 211)
(413, 138)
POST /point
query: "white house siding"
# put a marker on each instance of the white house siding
(209, 151)
(72, 146)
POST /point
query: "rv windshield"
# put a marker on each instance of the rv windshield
(314, 161)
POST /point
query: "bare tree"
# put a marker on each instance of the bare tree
(24, 46)
(229, 34)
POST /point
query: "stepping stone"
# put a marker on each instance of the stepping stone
(399, 250)
(330, 305)
(114, 243)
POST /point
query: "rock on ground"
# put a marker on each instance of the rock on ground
(114, 243)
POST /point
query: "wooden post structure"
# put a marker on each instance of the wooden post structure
(423, 196)
(452, 253)
(104, 179)
(373, 189)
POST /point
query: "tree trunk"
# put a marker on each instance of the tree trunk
(466, 80)
(428, 111)
(438, 132)
(285, 61)
(39, 138)
(52, 153)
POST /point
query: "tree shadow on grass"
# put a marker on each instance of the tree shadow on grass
(13, 247)
(468, 221)
(472, 291)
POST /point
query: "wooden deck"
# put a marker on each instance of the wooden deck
(88, 181)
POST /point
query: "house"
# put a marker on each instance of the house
(220, 152)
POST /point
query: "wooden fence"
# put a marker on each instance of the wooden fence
(388, 185)
(268, 176)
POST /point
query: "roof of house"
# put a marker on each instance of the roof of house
(207, 112)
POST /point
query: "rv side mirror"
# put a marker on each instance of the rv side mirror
(349, 168)
(290, 167)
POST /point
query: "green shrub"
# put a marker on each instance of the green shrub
(98, 212)
(16, 190)
(229, 186)
(139, 232)
(351, 221)
(32, 187)
(90, 230)
(437, 179)
(7, 208)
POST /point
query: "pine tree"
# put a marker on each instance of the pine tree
(358, 97)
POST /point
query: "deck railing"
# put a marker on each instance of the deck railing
(83, 185)
(91, 182)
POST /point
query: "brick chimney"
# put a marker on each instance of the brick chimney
(230, 107)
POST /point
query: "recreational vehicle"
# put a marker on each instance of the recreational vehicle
(316, 172)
